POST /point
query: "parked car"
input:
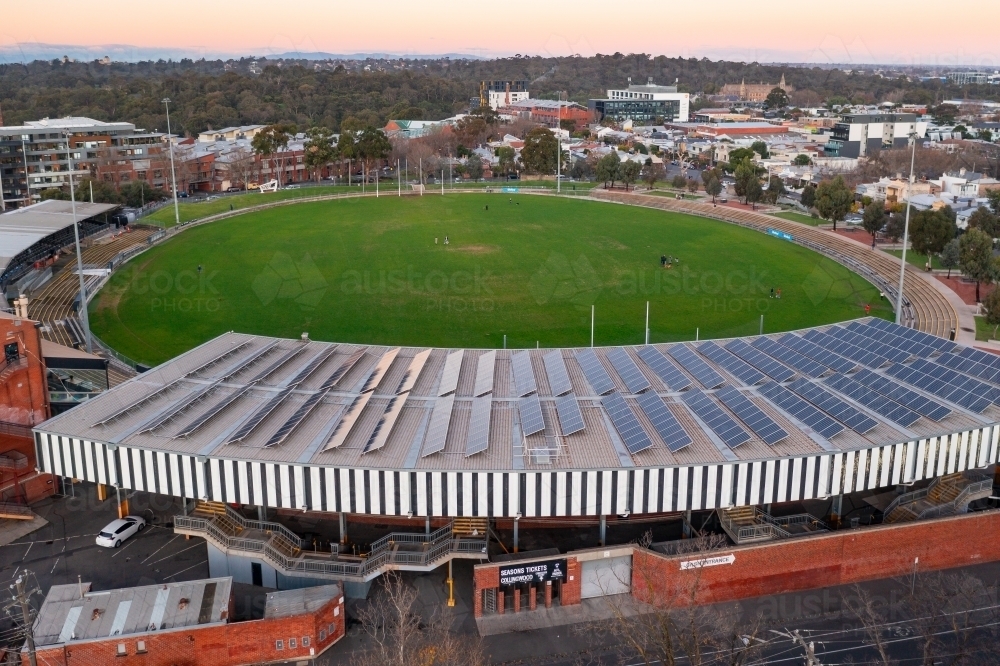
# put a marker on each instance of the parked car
(119, 530)
(182, 195)
(234, 189)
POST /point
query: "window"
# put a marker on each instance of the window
(291, 644)
(329, 629)
(322, 635)
(305, 641)
(279, 645)
(140, 647)
(121, 650)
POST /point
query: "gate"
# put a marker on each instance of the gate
(611, 575)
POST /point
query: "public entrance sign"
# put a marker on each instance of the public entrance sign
(707, 562)
(532, 573)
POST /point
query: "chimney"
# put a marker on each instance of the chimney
(649, 80)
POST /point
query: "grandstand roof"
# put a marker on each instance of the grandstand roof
(828, 389)
(23, 227)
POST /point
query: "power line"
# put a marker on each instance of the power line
(22, 599)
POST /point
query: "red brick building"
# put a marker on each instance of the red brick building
(24, 398)
(549, 112)
(183, 624)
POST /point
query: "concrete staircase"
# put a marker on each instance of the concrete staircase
(945, 496)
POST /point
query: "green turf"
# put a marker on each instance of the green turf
(985, 330)
(367, 270)
(799, 217)
(919, 260)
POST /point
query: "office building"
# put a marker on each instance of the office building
(647, 103)
(857, 135)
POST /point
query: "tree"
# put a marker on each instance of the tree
(775, 189)
(951, 255)
(808, 197)
(930, 231)
(709, 174)
(874, 218)
(347, 150)
(139, 193)
(713, 187)
(319, 149)
(833, 200)
(271, 143)
(678, 182)
(652, 173)
(984, 219)
(539, 152)
(976, 257)
(507, 159)
(754, 193)
(692, 185)
(372, 145)
(745, 174)
(472, 131)
(802, 160)
(474, 167)
(630, 170)
(737, 157)
(760, 148)
(776, 99)
(609, 169)
(895, 227)
(993, 196)
(242, 165)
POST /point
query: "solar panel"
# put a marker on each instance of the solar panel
(735, 366)
(598, 377)
(385, 425)
(178, 408)
(958, 379)
(271, 369)
(834, 406)
(628, 370)
(800, 409)
(347, 421)
(664, 422)
(845, 349)
(213, 412)
(939, 388)
(437, 430)
(979, 356)
(728, 430)
(830, 359)
(258, 417)
(413, 371)
(880, 348)
(874, 401)
(940, 344)
(555, 370)
(751, 415)
(570, 417)
(970, 366)
(626, 423)
(760, 360)
(669, 373)
(220, 358)
(244, 363)
(381, 368)
(310, 367)
(790, 357)
(141, 401)
(484, 373)
(530, 410)
(701, 371)
(524, 376)
(885, 337)
(891, 389)
(449, 378)
(478, 438)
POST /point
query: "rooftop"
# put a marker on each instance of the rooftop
(289, 603)
(23, 227)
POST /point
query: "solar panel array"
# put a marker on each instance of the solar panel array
(417, 364)
(628, 370)
(449, 377)
(347, 421)
(384, 427)
(845, 349)
(752, 416)
(530, 410)
(478, 439)
(701, 371)
(733, 365)
(555, 370)
(595, 373)
(381, 367)
(437, 430)
(626, 423)
(912, 347)
(979, 356)
(890, 409)
(955, 379)
(888, 351)
(664, 422)
(970, 367)
(834, 406)
(830, 359)
(758, 359)
(669, 373)
(524, 376)
(570, 416)
(801, 410)
(913, 334)
(925, 406)
(484, 373)
(790, 357)
(723, 425)
(939, 388)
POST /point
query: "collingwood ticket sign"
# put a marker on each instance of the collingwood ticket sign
(532, 573)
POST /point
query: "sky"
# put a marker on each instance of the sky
(843, 31)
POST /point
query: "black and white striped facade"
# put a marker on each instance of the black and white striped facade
(545, 494)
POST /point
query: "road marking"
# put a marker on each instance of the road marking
(177, 536)
(54, 566)
(27, 551)
(190, 567)
(121, 550)
(175, 554)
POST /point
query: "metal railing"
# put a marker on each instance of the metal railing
(795, 520)
(951, 508)
(907, 498)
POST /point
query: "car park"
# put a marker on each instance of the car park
(119, 530)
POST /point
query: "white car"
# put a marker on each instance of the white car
(120, 530)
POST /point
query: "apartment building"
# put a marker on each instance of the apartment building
(647, 103)
(856, 135)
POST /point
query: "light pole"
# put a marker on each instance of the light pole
(173, 174)
(82, 310)
(906, 233)
(559, 145)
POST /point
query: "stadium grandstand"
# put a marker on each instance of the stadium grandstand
(542, 433)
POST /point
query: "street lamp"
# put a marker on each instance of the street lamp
(82, 310)
(173, 174)
(906, 232)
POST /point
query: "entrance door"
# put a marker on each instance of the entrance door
(257, 574)
(612, 575)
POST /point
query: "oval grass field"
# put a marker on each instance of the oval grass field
(379, 271)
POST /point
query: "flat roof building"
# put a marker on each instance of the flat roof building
(646, 104)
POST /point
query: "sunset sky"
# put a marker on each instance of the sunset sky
(855, 31)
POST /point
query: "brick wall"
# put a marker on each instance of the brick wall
(24, 396)
(487, 577)
(235, 644)
(839, 558)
